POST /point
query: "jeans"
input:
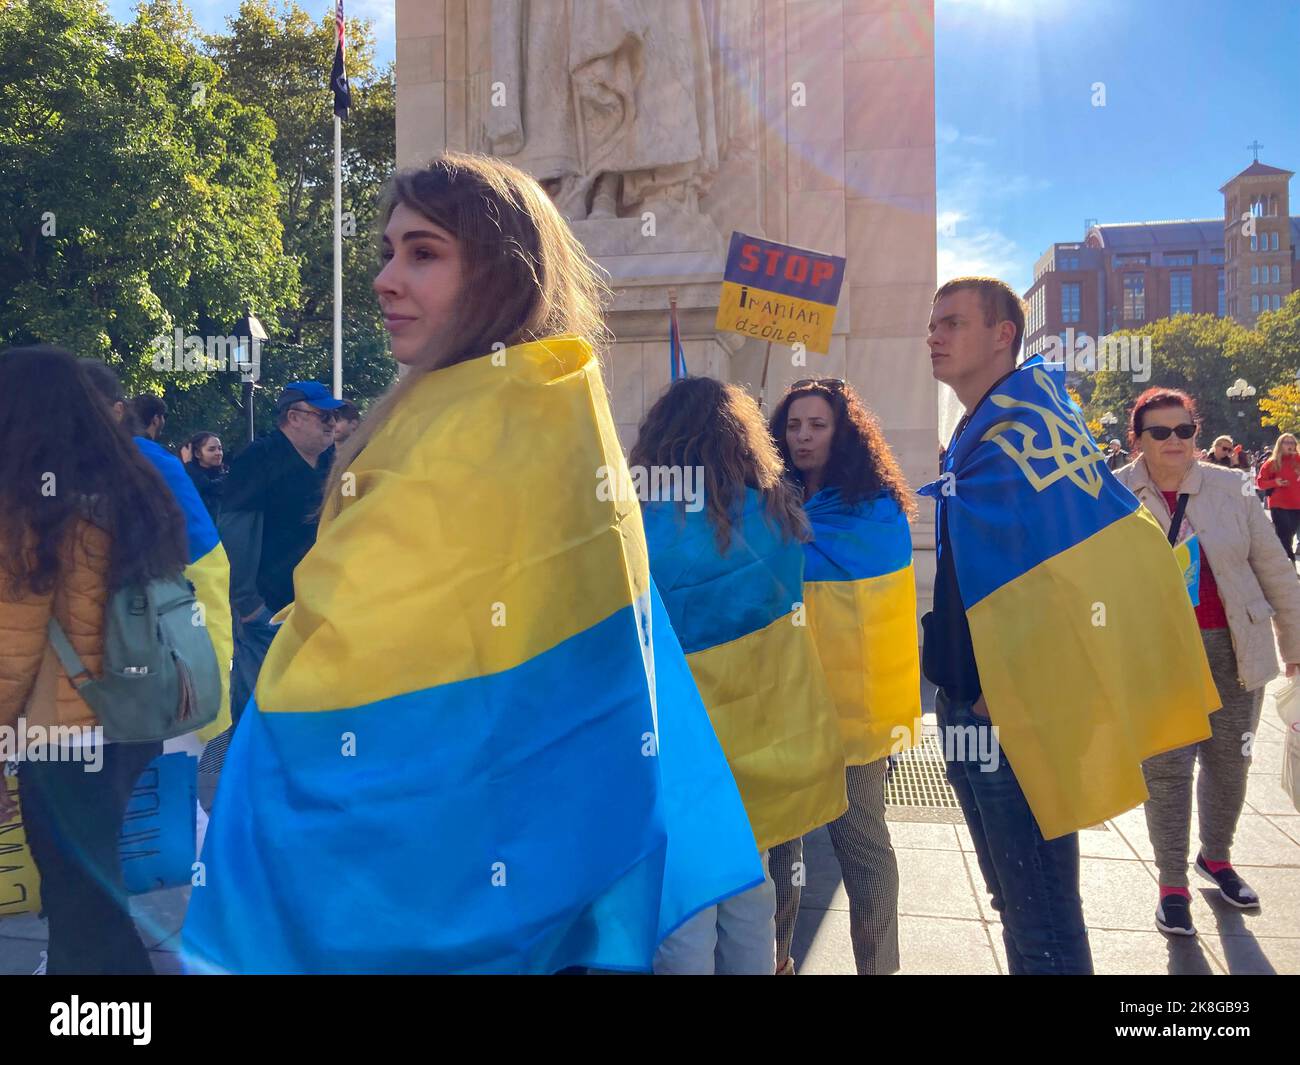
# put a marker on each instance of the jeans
(252, 641)
(73, 820)
(1034, 882)
(737, 937)
(1285, 524)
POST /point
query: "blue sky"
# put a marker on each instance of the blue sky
(1024, 156)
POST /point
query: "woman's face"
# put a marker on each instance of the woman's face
(210, 453)
(1288, 446)
(418, 285)
(809, 426)
(1171, 452)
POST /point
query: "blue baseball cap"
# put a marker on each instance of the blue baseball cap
(312, 393)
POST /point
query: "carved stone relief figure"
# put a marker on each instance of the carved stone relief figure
(609, 103)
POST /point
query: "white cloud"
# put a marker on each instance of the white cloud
(981, 250)
(973, 196)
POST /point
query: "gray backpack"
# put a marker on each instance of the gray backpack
(161, 678)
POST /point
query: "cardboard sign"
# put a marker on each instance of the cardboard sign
(157, 838)
(20, 883)
(780, 293)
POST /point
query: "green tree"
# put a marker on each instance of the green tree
(139, 197)
(1198, 353)
(277, 59)
(1269, 354)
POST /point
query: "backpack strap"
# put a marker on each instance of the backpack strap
(77, 672)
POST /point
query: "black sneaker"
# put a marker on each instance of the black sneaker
(1174, 915)
(1233, 889)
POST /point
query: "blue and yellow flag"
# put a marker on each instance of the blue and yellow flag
(475, 745)
(735, 614)
(861, 596)
(208, 570)
(1088, 649)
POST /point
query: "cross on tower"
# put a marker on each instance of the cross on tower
(1255, 147)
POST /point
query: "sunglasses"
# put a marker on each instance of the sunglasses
(325, 416)
(1161, 432)
(826, 382)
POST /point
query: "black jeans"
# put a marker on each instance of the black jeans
(73, 820)
(1285, 524)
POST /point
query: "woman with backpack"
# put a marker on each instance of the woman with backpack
(82, 515)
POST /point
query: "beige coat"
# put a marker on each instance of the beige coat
(1256, 581)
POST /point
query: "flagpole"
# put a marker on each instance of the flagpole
(338, 257)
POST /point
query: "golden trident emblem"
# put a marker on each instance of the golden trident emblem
(1069, 447)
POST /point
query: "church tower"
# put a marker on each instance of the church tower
(1258, 261)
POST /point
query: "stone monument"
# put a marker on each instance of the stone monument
(660, 126)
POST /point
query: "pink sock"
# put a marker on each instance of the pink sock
(1215, 867)
(1166, 891)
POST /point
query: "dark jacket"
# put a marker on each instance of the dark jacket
(947, 653)
(210, 483)
(270, 508)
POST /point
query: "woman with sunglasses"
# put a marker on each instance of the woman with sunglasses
(861, 600)
(1245, 581)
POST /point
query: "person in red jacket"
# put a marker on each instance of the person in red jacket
(1280, 478)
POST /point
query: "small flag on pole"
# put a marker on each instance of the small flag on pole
(339, 76)
(676, 355)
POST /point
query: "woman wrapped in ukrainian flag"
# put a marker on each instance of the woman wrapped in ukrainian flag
(727, 555)
(861, 600)
(475, 745)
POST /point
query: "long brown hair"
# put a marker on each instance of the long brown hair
(64, 458)
(526, 276)
(717, 426)
(861, 463)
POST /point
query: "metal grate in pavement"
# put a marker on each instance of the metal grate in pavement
(916, 779)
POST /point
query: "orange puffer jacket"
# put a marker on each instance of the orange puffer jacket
(33, 684)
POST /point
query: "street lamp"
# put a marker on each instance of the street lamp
(250, 334)
(1107, 420)
(1240, 393)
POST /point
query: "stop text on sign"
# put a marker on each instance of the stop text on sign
(779, 292)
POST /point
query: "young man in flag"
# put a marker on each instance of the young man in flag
(1049, 576)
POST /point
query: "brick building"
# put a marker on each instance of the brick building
(1122, 275)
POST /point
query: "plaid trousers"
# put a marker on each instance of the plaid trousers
(867, 866)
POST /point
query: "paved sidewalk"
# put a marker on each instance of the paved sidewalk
(947, 926)
(945, 922)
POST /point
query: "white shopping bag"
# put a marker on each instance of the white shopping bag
(1288, 709)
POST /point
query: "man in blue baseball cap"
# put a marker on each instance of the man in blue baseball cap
(268, 520)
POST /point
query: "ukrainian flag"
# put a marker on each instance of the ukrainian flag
(754, 662)
(861, 596)
(208, 571)
(1087, 646)
(475, 745)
